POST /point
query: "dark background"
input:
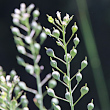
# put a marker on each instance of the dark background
(99, 11)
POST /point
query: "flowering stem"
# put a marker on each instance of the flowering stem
(68, 69)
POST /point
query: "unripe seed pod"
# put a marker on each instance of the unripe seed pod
(55, 101)
(66, 18)
(43, 36)
(39, 29)
(22, 85)
(57, 107)
(84, 63)
(25, 103)
(68, 57)
(23, 97)
(74, 28)
(12, 73)
(37, 47)
(53, 63)
(28, 39)
(66, 79)
(34, 25)
(79, 77)
(56, 33)
(67, 95)
(36, 13)
(90, 106)
(25, 108)
(37, 69)
(18, 41)
(20, 61)
(47, 31)
(76, 41)
(56, 75)
(50, 52)
(50, 19)
(21, 49)
(52, 83)
(84, 90)
(73, 52)
(51, 92)
(29, 68)
(17, 90)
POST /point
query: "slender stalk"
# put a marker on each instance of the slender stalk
(77, 100)
(68, 69)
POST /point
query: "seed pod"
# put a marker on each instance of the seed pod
(52, 83)
(37, 69)
(15, 31)
(29, 68)
(84, 63)
(25, 103)
(43, 36)
(73, 52)
(12, 73)
(38, 97)
(28, 39)
(74, 28)
(67, 95)
(66, 79)
(25, 108)
(20, 61)
(56, 33)
(56, 75)
(22, 85)
(66, 18)
(21, 49)
(34, 25)
(37, 47)
(50, 19)
(51, 92)
(79, 77)
(84, 90)
(55, 101)
(36, 13)
(68, 57)
(57, 107)
(17, 90)
(90, 106)
(47, 31)
(50, 52)
(76, 41)
(53, 63)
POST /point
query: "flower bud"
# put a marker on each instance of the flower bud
(68, 57)
(52, 83)
(12, 73)
(84, 63)
(30, 8)
(53, 63)
(66, 79)
(18, 41)
(8, 78)
(21, 49)
(16, 90)
(22, 85)
(25, 103)
(90, 106)
(43, 36)
(58, 15)
(50, 19)
(56, 33)
(84, 90)
(23, 97)
(47, 31)
(79, 77)
(67, 95)
(36, 13)
(16, 79)
(50, 52)
(73, 52)
(66, 18)
(39, 29)
(51, 92)
(17, 11)
(56, 75)
(34, 25)
(57, 107)
(29, 68)
(15, 31)
(23, 7)
(55, 101)
(20, 61)
(74, 28)
(76, 41)
(16, 21)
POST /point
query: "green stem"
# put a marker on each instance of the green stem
(61, 99)
(68, 70)
(69, 39)
(60, 60)
(77, 100)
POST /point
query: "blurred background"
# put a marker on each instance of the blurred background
(93, 20)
